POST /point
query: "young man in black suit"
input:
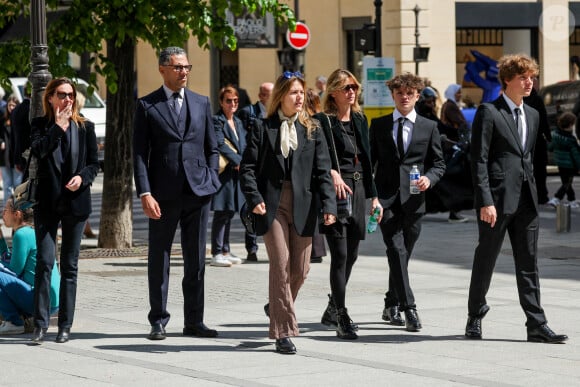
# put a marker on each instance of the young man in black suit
(399, 141)
(176, 173)
(502, 142)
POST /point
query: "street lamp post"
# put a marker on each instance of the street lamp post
(378, 30)
(39, 76)
(416, 10)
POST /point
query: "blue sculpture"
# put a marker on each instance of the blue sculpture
(490, 84)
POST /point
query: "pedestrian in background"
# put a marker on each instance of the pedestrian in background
(176, 173)
(567, 158)
(11, 177)
(285, 158)
(503, 137)
(313, 106)
(347, 135)
(65, 146)
(231, 140)
(17, 271)
(399, 141)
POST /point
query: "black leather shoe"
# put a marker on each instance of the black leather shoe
(329, 315)
(315, 259)
(252, 257)
(267, 309)
(344, 329)
(412, 321)
(473, 326)
(543, 334)
(63, 335)
(285, 346)
(157, 332)
(199, 330)
(38, 336)
(393, 315)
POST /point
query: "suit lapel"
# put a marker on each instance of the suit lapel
(507, 115)
(531, 133)
(389, 123)
(164, 109)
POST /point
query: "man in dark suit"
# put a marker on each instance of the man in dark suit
(176, 173)
(503, 136)
(21, 130)
(399, 141)
(247, 114)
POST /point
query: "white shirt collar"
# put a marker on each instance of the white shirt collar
(412, 116)
(169, 92)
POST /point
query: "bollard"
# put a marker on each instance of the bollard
(563, 217)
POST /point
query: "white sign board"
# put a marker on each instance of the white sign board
(376, 71)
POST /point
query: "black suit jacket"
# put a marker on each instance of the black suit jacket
(392, 172)
(310, 170)
(46, 137)
(165, 159)
(499, 164)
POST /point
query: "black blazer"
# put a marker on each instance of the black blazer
(310, 170)
(331, 127)
(166, 159)
(45, 141)
(499, 164)
(392, 172)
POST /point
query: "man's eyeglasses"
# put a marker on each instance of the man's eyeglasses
(290, 74)
(231, 100)
(180, 68)
(353, 87)
(64, 95)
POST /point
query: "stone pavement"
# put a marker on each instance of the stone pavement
(109, 345)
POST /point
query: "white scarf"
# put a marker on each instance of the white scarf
(288, 137)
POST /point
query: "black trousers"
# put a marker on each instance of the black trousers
(567, 178)
(400, 233)
(192, 212)
(522, 228)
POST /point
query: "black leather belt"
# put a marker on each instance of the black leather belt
(355, 176)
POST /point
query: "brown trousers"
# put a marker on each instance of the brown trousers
(289, 255)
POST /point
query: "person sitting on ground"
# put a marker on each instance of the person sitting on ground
(567, 158)
(17, 271)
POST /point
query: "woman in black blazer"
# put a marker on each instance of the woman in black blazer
(285, 160)
(65, 146)
(347, 135)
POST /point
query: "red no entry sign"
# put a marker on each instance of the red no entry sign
(300, 38)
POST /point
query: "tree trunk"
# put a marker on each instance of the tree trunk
(116, 226)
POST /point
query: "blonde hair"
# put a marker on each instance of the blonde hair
(281, 88)
(336, 82)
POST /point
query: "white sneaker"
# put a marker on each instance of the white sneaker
(233, 259)
(574, 204)
(7, 328)
(553, 202)
(220, 261)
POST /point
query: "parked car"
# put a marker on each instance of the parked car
(95, 109)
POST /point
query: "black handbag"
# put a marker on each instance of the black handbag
(25, 193)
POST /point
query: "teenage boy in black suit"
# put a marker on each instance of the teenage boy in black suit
(399, 141)
(502, 142)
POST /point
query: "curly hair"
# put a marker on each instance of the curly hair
(513, 65)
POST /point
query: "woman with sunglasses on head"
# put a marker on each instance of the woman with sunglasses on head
(347, 135)
(286, 158)
(231, 139)
(65, 145)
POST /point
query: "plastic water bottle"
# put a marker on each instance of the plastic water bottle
(374, 220)
(414, 176)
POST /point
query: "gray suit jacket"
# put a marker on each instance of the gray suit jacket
(499, 164)
(165, 159)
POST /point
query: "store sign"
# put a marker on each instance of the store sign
(253, 30)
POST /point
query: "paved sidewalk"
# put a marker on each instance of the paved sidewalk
(109, 345)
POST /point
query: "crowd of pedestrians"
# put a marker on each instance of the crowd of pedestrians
(304, 163)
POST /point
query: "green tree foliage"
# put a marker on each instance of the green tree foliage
(86, 26)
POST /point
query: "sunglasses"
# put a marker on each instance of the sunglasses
(350, 87)
(231, 100)
(290, 74)
(180, 68)
(64, 95)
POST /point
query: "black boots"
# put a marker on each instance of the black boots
(329, 315)
(344, 328)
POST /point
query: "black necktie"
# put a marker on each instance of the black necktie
(400, 144)
(176, 107)
(519, 125)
